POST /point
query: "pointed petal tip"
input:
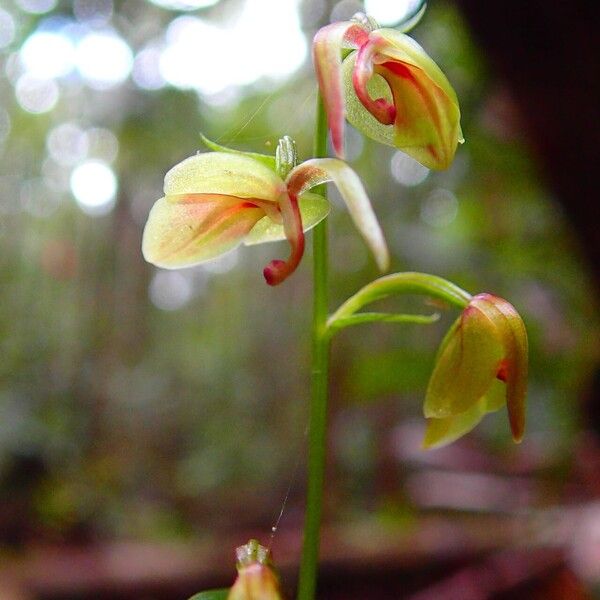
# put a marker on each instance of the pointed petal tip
(518, 433)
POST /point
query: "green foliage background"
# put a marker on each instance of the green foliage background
(147, 423)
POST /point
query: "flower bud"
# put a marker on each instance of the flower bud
(481, 365)
(256, 578)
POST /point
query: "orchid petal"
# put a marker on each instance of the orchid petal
(327, 49)
(382, 109)
(427, 119)
(441, 432)
(319, 170)
(466, 366)
(278, 271)
(515, 360)
(188, 229)
(224, 173)
(313, 209)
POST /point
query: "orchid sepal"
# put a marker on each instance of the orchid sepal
(320, 170)
(327, 48)
(481, 365)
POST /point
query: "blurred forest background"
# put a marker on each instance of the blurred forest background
(151, 421)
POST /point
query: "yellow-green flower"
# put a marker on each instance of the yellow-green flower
(215, 201)
(481, 366)
(389, 89)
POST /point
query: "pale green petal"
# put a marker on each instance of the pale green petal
(441, 432)
(183, 231)
(224, 173)
(466, 367)
(313, 208)
(319, 170)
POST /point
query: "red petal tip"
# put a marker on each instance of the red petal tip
(275, 272)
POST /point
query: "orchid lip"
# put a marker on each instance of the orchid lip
(383, 110)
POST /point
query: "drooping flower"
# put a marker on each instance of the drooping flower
(481, 366)
(389, 89)
(256, 578)
(216, 200)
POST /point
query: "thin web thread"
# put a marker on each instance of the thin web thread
(293, 478)
(229, 137)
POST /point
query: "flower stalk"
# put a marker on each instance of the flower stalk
(319, 378)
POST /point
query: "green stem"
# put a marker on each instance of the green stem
(318, 400)
(402, 283)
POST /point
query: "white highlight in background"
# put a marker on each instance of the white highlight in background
(47, 55)
(94, 185)
(103, 59)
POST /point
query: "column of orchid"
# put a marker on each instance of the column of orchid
(387, 87)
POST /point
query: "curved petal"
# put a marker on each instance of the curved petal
(515, 363)
(319, 170)
(223, 173)
(186, 230)
(427, 118)
(466, 366)
(277, 270)
(327, 58)
(441, 432)
(382, 109)
(313, 209)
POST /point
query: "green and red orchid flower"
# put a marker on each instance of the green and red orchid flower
(389, 89)
(481, 366)
(215, 201)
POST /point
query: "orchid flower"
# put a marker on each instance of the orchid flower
(481, 366)
(389, 89)
(256, 578)
(215, 201)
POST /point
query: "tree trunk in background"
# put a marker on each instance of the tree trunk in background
(549, 55)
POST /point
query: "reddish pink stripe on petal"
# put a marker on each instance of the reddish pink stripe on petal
(277, 270)
(381, 109)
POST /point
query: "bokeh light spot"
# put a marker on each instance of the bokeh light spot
(103, 144)
(170, 290)
(93, 12)
(390, 13)
(36, 7)
(440, 208)
(46, 55)
(184, 4)
(94, 186)
(36, 95)
(67, 144)
(146, 69)
(104, 59)
(407, 171)
(7, 29)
